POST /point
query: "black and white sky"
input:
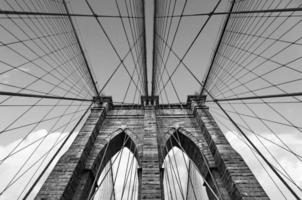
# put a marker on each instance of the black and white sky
(260, 54)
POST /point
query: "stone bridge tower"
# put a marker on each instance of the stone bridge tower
(151, 131)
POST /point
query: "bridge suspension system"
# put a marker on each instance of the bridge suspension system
(163, 99)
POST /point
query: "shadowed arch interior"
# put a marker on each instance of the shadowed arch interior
(110, 146)
(119, 178)
(189, 145)
(181, 139)
(181, 177)
(119, 139)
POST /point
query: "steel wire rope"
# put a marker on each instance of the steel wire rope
(191, 44)
(174, 36)
(130, 181)
(129, 84)
(278, 170)
(275, 159)
(28, 46)
(94, 184)
(236, 24)
(26, 111)
(52, 147)
(117, 170)
(175, 174)
(92, 85)
(91, 193)
(133, 26)
(128, 42)
(256, 149)
(182, 150)
(118, 66)
(232, 5)
(254, 154)
(270, 129)
(32, 129)
(33, 164)
(272, 142)
(156, 49)
(106, 173)
(132, 184)
(185, 161)
(189, 177)
(35, 76)
(46, 22)
(236, 12)
(49, 46)
(269, 46)
(38, 58)
(110, 41)
(126, 176)
(171, 81)
(133, 188)
(141, 7)
(251, 44)
(199, 82)
(168, 187)
(243, 21)
(81, 49)
(26, 146)
(270, 153)
(165, 33)
(208, 168)
(35, 149)
(261, 76)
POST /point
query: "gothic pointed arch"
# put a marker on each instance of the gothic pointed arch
(101, 137)
(186, 142)
(180, 138)
(107, 146)
(104, 148)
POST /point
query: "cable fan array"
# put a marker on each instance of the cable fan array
(47, 82)
(251, 84)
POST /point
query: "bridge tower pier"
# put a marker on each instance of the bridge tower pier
(151, 131)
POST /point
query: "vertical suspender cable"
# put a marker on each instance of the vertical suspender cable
(217, 46)
(81, 48)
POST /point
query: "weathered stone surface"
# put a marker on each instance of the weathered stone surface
(151, 187)
(234, 173)
(150, 130)
(63, 181)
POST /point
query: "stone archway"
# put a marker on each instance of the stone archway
(85, 163)
(103, 150)
(181, 139)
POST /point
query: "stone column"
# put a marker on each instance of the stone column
(230, 167)
(151, 186)
(63, 181)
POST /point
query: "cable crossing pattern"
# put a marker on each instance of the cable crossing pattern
(60, 60)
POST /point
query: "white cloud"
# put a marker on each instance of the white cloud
(290, 163)
(11, 165)
(119, 175)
